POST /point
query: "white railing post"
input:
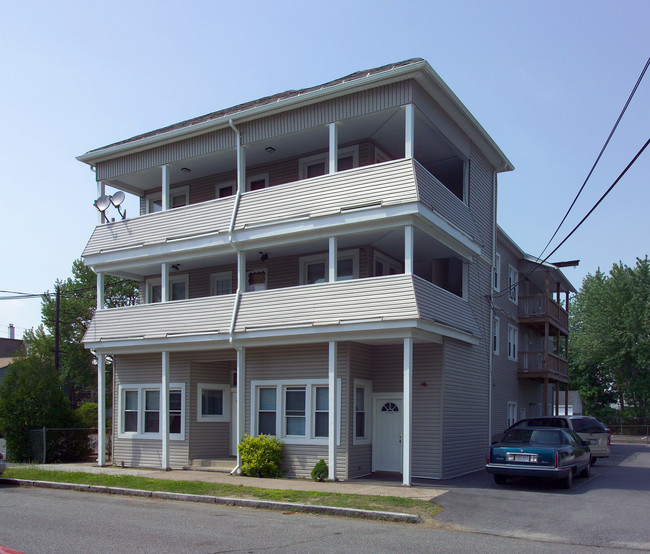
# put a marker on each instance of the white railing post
(101, 410)
(332, 439)
(333, 148)
(332, 260)
(408, 411)
(164, 411)
(166, 177)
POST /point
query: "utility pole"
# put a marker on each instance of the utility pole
(57, 317)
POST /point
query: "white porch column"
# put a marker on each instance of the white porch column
(241, 166)
(409, 131)
(164, 411)
(334, 148)
(408, 411)
(164, 282)
(242, 284)
(101, 410)
(165, 187)
(101, 191)
(241, 398)
(332, 260)
(332, 439)
(100, 291)
(408, 250)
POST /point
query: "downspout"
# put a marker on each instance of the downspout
(491, 337)
(232, 243)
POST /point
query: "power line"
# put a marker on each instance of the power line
(602, 150)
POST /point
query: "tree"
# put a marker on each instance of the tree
(610, 341)
(78, 300)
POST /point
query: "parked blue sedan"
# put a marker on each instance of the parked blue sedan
(558, 454)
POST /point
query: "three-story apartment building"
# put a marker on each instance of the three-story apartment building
(316, 265)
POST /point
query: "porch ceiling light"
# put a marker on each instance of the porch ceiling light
(186, 170)
(270, 149)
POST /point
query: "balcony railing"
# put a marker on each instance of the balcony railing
(542, 308)
(535, 365)
(398, 182)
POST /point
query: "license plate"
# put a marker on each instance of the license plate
(511, 457)
(593, 441)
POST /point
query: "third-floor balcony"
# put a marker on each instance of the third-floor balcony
(540, 309)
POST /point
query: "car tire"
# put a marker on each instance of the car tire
(500, 479)
(567, 482)
(586, 472)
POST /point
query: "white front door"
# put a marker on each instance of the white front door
(387, 441)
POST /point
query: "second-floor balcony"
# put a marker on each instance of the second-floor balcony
(541, 365)
(375, 307)
(541, 309)
(368, 195)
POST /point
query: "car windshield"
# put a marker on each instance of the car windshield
(533, 436)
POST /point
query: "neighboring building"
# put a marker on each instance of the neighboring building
(8, 349)
(315, 265)
(530, 335)
(575, 404)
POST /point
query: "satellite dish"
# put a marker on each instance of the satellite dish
(118, 198)
(102, 203)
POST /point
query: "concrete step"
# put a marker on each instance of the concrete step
(221, 464)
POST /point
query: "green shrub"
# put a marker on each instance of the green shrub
(87, 415)
(320, 471)
(260, 456)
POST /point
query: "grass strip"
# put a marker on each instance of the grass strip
(423, 508)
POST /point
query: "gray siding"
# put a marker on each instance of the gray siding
(360, 455)
(481, 200)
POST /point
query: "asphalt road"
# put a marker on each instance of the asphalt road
(610, 509)
(608, 512)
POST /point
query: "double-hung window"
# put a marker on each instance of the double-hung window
(179, 289)
(362, 403)
(177, 197)
(295, 411)
(495, 335)
(140, 413)
(313, 166)
(496, 277)
(513, 334)
(513, 285)
(314, 269)
(221, 283)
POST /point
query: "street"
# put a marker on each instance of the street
(608, 511)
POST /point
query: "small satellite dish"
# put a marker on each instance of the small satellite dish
(102, 203)
(118, 198)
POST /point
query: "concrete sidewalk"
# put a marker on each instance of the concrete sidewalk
(370, 486)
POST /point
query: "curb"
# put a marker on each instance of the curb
(241, 502)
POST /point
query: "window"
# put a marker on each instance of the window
(221, 283)
(512, 342)
(314, 269)
(496, 279)
(295, 411)
(257, 182)
(140, 411)
(257, 280)
(512, 414)
(313, 166)
(513, 284)
(386, 266)
(495, 336)
(212, 402)
(362, 404)
(177, 197)
(226, 189)
(179, 285)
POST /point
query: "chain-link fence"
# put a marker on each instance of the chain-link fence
(58, 445)
(630, 433)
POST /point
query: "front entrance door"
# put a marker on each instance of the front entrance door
(387, 443)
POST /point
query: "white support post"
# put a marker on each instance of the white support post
(333, 148)
(408, 411)
(164, 282)
(101, 410)
(242, 284)
(332, 261)
(101, 191)
(100, 291)
(164, 411)
(165, 186)
(332, 439)
(408, 250)
(241, 398)
(409, 131)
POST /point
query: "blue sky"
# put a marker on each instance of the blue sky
(546, 79)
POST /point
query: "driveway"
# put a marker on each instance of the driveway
(610, 509)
